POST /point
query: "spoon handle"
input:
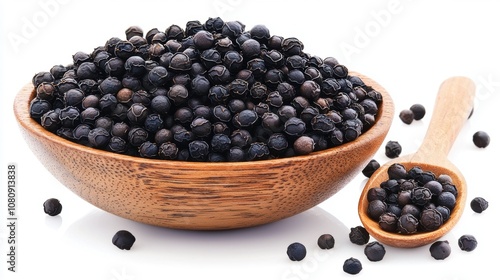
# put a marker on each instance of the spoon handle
(453, 106)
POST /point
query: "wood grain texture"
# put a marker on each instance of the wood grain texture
(197, 195)
(453, 105)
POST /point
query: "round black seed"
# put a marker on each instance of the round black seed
(117, 144)
(52, 207)
(445, 212)
(277, 144)
(411, 209)
(431, 219)
(467, 243)
(374, 251)
(392, 149)
(440, 250)
(376, 193)
(137, 136)
(359, 235)
(478, 204)
(303, 145)
(404, 198)
(407, 224)
(326, 241)
(220, 143)
(396, 171)
(376, 208)
(446, 199)
(99, 137)
(50, 120)
(198, 149)
(481, 139)
(296, 251)
(294, 127)
(148, 150)
(406, 116)
(370, 168)
(258, 151)
(168, 150)
(418, 111)
(123, 239)
(388, 222)
(421, 196)
(352, 266)
(245, 118)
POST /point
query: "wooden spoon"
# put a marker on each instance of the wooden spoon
(453, 106)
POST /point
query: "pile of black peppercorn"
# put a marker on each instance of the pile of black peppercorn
(411, 201)
(210, 91)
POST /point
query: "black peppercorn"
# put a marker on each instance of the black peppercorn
(407, 224)
(352, 266)
(52, 207)
(168, 150)
(198, 149)
(370, 168)
(406, 116)
(392, 149)
(388, 222)
(117, 144)
(467, 243)
(258, 151)
(447, 199)
(376, 208)
(99, 137)
(440, 250)
(479, 204)
(296, 251)
(326, 241)
(123, 239)
(303, 145)
(374, 251)
(481, 139)
(148, 150)
(418, 111)
(430, 219)
(50, 120)
(396, 171)
(359, 235)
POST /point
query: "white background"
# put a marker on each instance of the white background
(409, 47)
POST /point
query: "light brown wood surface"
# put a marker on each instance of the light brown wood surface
(197, 195)
(453, 105)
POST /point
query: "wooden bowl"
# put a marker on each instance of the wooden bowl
(201, 195)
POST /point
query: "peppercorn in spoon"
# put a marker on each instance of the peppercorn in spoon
(453, 105)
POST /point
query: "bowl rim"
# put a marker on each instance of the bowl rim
(382, 120)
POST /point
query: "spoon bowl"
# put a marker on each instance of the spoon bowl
(453, 106)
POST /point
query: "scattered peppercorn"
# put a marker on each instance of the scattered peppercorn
(440, 250)
(481, 139)
(392, 149)
(374, 251)
(370, 168)
(209, 78)
(52, 207)
(406, 116)
(296, 251)
(359, 235)
(123, 239)
(352, 266)
(479, 204)
(467, 243)
(418, 111)
(326, 241)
